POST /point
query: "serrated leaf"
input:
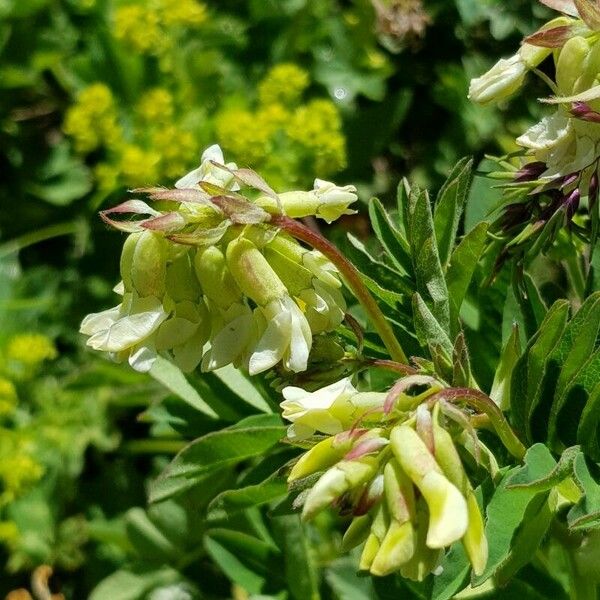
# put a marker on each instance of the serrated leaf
(460, 270)
(389, 236)
(508, 506)
(431, 283)
(449, 206)
(586, 513)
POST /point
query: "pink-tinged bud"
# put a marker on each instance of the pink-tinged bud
(397, 397)
(571, 202)
(530, 172)
(583, 111)
(424, 426)
(370, 497)
(367, 446)
(569, 180)
(593, 190)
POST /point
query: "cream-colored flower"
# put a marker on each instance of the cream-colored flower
(209, 172)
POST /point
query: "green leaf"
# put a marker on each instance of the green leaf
(526, 383)
(460, 270)
(511, 352)
(586, 513)
(449, 206)
(575, 359)
(508, 506)
(174, 380)
(242, 557)
(216, 451)
(298, 564)
(231, 501)
(588, 384)
(134, 584)
(389, 236)
(431, 283)
(431, 334)
(150, 542)
(454, 575)
(345, 582)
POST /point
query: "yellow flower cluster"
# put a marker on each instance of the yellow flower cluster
(156, 106)
(282, 137)
(177, 147)
(92, 120)
(284, 83)
(138, 166)
(18, 468)
(31, 348)
(8, 396)
(318, 127)
(144, 27)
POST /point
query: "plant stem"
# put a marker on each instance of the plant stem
(390, 365)
(487, 406)
(574, 270)
(351, 277)
(40, 235)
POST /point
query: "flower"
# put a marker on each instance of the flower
(283, 84)
(31, 348)
(330, 410)
(210, 173)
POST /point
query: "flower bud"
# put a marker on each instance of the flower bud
(181, 281)
(395, 550)
(570, 64)
(214, 277)
(344, 476)
(252, 272)
(399, 492)
(447, 508)
(379, 528)
(143, 263)
(358, 531)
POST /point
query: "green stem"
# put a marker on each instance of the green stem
(154, 446)
(41, 235)
(484, 404)
(351, 277)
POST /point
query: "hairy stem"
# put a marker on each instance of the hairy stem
(351, 277)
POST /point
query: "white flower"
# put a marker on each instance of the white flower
(286, 337)
(332, 409)
(546, 134)
(207, 171)
(502, 80)
(325, 306)
(333, 201)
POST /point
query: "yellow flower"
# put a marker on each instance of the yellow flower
(317, 126)
(8, 532)
(183, 12)
(18, 469)
(284, 84)
(8, 396)
(137, 166)
(272, 117)
(240, 134)
(156, 105)
(177, 149)
(139, 27)
(31, 348)
(92, 120)
(107, 177)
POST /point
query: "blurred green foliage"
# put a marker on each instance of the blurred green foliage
(100, 95)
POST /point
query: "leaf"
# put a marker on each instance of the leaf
(508, 506)
(430, 334)
(526, 382)
(588, 431)
(391, 239)
(174, 380)
(345, 582)
(216, 451)
(501, 386)
(586, 513)
(461, 375)
(134, 584)
(231, 501)
(460, 270)
(455, 572)
(449, 206)
(236, 381)
(300, 570)
(242, 557)
(149, 541)
(431, 283)
(576, 354)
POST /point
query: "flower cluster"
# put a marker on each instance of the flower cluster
(214, 271)
(558, 170)
(283, 137)
(146, 28)
(391, 464)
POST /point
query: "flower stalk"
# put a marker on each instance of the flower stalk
(351, 277)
